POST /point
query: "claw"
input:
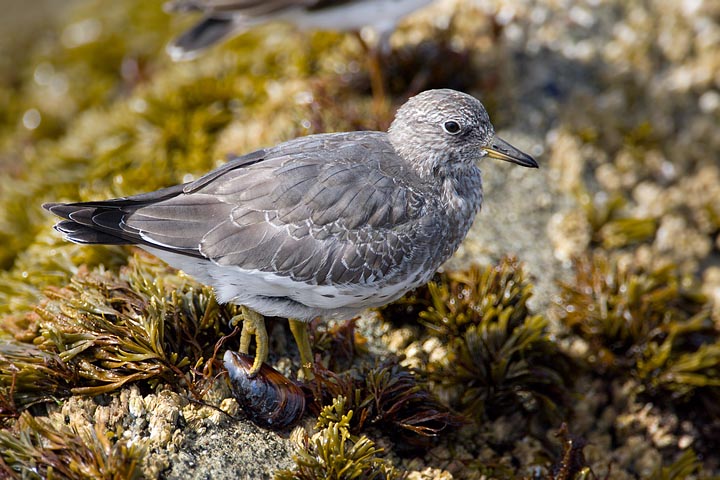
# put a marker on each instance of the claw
(253, 325)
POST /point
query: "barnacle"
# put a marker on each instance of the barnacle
(499, 357)
(37, 449)
(333, 452)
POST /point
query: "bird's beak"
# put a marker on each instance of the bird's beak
(502, 150)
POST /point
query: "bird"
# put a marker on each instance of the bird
(325, 225)
(222, 19)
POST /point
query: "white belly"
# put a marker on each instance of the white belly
(274, 295)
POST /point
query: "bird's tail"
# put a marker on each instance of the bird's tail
(79, 225)
(103, 222)
(208, 32)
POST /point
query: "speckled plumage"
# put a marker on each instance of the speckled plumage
(323, 225)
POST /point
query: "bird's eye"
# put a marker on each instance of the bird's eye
(451, 127)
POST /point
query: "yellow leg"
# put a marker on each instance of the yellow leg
(253, 325)
(299, 330)
(377, 78)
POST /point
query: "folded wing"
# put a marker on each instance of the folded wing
(318, 209)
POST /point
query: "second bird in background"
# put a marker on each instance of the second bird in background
(222, 19)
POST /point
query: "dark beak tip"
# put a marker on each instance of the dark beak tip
(526, 160)
(502, 150)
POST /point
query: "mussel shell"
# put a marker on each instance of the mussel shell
(269, 399)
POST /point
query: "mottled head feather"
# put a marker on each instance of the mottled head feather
(420, 131)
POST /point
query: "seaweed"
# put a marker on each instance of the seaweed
(572, 464)
(63, 75)
(338, 344)
(499, 358)
(37, 449)
(101, 332)
(390, 398)
(687, 465)
(651, 324)
(126, 135)
(30, 375)
(612, 228)
(334, 452)
(617, 308)
(48, 263)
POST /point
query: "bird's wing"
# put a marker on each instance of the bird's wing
(317, 209)
(101, 222)
(221, 19)
(249, 8)
(224, 18)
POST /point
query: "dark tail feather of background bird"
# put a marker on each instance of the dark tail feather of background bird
(208, 32)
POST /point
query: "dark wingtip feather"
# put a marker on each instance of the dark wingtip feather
(76, 212)
(63, 210)
(78, 233)
(206, 33)
(57, 208)
(79, 225)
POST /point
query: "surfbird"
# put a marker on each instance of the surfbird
(320, 226)
(222, 19)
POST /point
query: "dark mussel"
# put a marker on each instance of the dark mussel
(269, 399)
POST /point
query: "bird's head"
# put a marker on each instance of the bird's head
(445, 130)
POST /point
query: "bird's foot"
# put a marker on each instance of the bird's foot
(253, 324)
(374, 55)
(299, 330)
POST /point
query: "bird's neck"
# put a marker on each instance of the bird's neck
(461, 190)
(457, 181)
(461, 197)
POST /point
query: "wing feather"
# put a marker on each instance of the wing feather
(318, 209)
